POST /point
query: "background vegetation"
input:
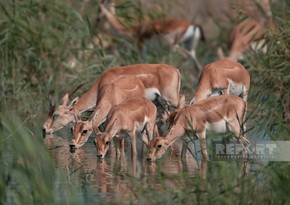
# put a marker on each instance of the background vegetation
(44, 47)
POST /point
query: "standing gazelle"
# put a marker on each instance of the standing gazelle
(120, 89)
(215, 114)
(159, 80)
(172, 32)
(222, 77)
(131, 116)
(248, 34)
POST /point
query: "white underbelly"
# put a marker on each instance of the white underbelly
(122, 135)
(140, 125)
(217, 127)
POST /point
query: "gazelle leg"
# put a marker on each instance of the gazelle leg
(192, 54)
(182, 51)
(203, 169)
(133, 143)
(235, 127)
(119, 147)
(196, 62)
(202, 140)
(184, 149)
(144, 142)
(122, 147)
(151, 130)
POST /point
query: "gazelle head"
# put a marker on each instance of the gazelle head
(59, 116)
(159, 145)
(82, 130)
(165, 123)
(102, 143)
(157, 148)
(103, 139)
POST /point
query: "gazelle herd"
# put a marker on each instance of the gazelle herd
(158, 79)
(122, 103)
(126, 99)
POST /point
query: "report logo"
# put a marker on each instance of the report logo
(262, 150)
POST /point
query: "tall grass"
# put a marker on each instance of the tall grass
(271, 78)
(26, 168)
(38, 38)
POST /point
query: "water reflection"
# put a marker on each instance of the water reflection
(115, 180)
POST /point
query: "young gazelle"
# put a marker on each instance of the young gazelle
(172, 32)
(159, 80)
(109, 95)
(222, 77)
(248, 34)
(216, 114)
(131, 116)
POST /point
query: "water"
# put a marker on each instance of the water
(113, 179)
(127, 180)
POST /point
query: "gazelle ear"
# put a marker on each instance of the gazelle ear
(220, 53)
(64, 99)
(51, 105)
(77, 117)
(95, 129)
(95, 115)
(168, 143)
(112, 8)
(192, 101)
(171, 117)
(155, 131)
(145, 141)
(167, 137)
(72, 103)
(102, 8)
(171, 129)
(181, 103)
(51, 101)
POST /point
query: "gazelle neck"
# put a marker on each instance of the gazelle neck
(88, 99)
(175, 131)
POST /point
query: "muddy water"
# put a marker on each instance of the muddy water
(112, 179)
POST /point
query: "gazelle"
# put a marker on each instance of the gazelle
(215, 114)
(172, 32)
(222, 77)
(131, 116)
(159, 80)
(120, 89)
(248, 34)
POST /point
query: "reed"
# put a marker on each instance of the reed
(39, 40)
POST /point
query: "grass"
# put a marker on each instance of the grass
(39, 40)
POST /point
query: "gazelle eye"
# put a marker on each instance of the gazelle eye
(55, 117)
(84, 132)
(107, 142)
(159, 146)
